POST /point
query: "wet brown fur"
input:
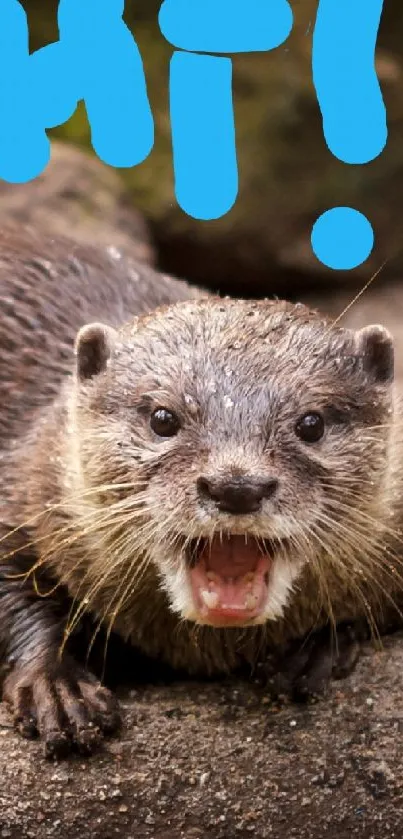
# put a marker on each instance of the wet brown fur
(48, 290)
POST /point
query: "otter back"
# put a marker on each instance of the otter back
(49, 288)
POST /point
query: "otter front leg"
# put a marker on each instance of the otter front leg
(304, 670)
(62, 703)
(49, 695)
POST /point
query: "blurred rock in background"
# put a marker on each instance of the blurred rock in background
(287, 174)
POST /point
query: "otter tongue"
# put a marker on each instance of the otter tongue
(229, 578)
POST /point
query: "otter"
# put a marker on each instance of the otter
(211, 479)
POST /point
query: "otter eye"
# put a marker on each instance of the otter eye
(164, 423)
(310, 428)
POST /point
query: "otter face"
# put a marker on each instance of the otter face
(248, 439)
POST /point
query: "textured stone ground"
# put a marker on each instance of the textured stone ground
(218, 761)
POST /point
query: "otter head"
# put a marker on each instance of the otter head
(244, 440)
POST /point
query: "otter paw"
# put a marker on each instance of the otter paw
(64, 705)
(308, 666)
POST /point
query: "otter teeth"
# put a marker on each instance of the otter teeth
(210, 599)
(250, 602)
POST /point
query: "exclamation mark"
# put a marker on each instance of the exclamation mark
(354, 116)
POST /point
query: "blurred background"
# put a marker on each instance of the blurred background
(287, 174)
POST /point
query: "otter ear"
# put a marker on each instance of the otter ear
(375, 346)
(93, 347)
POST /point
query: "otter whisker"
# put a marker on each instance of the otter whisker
(360, 293)
(361, 566)
(335, 565)
(99, 582)
(365, 519)
(97, 521)
(61, 505)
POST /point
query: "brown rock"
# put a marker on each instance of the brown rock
(231, 766)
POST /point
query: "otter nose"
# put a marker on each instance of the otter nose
(238, 496)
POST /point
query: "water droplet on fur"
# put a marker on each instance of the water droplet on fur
(113, 252)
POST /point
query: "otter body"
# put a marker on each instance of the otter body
(208, 478)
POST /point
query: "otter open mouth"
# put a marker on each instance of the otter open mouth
(229, 576)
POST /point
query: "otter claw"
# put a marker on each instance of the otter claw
(307, 668)
(68, 709)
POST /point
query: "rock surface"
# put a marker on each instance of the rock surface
(217, 761)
